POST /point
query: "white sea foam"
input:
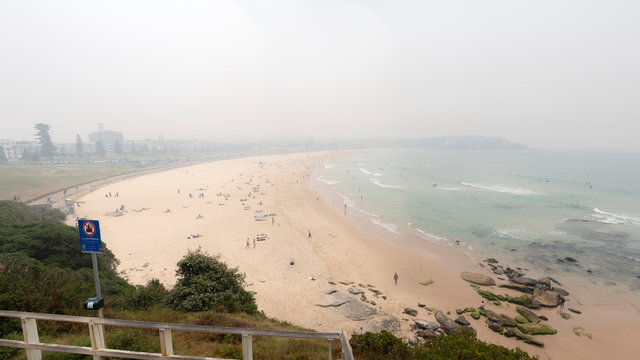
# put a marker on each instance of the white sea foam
(370, 173)
(501, 189)
(375, 181)
(430, 236)
(448, 188)
(346, 199)
(611, 218)
(328, 166)
(362, 164)
(509, 234)
(366, 212)
(390, 227)
(328, 182)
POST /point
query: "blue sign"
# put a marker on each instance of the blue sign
(90, 236)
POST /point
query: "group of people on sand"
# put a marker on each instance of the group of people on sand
(194, 236)
(108, 195)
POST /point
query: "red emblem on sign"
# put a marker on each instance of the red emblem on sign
(89, 228)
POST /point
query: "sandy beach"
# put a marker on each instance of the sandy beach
(149, 223)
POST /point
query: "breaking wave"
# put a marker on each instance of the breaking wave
(611, 218)
(501, 189)
(375, 181)
(370, 173)
(390, 227)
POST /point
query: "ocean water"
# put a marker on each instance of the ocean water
(526, 208)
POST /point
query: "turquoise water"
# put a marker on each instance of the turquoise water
(529, 208)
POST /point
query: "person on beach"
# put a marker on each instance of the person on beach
(481, 307)
(254, 243)
(395, 278)
(561, 303)
(309, 233)
(248, 244)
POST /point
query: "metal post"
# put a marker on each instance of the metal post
(247, 347)
(30, 333)
(330, 356)
(98, 329)
(96, 278)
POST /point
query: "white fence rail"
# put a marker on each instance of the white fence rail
(99, 347)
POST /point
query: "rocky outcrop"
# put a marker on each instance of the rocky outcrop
(522, 288)
(575, 311)
(528, 338)
(446, 324)
(425, 325)
(502, 319)
(476, 278)
(355, 291)
(495, 327)
(524, 281)
(462, 321)
(410, 311)
(528, 314)
(537, 329)
(545, 298)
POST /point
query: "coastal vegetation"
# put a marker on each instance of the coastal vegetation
(43, 270)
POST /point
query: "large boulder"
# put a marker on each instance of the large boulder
(476, 278)
(355, 291)
(425, 334)
(524, 281)
(537, 329)
(495, 327)
(462, 321)
(410, 311)
(528, 338)
(528, 314)
(446, 324)
(502, 319)
(519, 287)
(425, 325)
(545, 298)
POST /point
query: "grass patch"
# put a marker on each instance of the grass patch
(426, 283)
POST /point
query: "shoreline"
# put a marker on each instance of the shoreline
(340, 249)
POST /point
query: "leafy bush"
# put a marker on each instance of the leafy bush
(206, 283)
(382, 345)
(459, 346)
(142, 297)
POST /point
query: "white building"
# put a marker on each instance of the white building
(109, 138)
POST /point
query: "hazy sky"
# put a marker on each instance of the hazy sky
(550, 74)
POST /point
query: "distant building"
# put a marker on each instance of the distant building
(14, 150)
(109, 138)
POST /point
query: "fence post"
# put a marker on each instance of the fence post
(330, 356)
(166, 344)
(247, 347)
(30, 333)
(96, 333)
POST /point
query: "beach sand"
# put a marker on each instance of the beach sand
(149, 241)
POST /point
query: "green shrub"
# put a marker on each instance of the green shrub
(461, 345)
(207, 283)
(382, 345)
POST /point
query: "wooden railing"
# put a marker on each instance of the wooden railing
(99, 348)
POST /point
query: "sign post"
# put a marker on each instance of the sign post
(90, 242)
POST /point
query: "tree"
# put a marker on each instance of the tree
(79, 145)
(46, 146)
(100, 149)
(207, 283)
